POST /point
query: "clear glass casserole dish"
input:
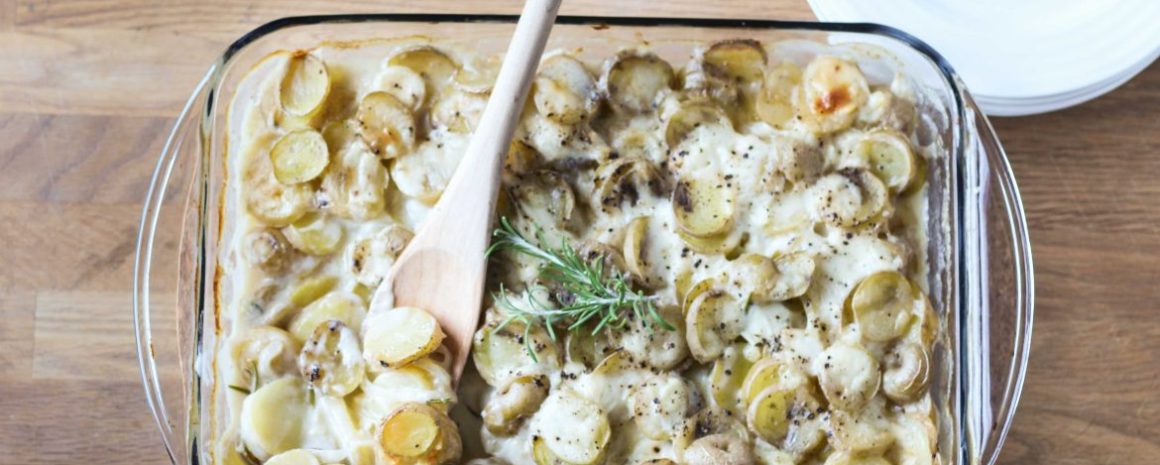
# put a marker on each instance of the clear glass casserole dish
(981, 275)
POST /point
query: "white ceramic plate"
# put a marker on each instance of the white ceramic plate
(1020, 57)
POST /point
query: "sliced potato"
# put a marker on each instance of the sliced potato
(801, 161)
(416, 433)
(845, 458)
(795, 272)
(517, 399)
(355, 185)
(775, 102)
(436, 67)
(691, 115)
(458, 111)
(890, 158)
(721, 244)
(586, 348)
(767, 280)
(848, 376)
(479, 77)
(714, 320)
(341, 306)
(331, 360)
(574, 429)
(267, 249)
(545, 198)
(371, 258)
(866, 432)
(769, 372)
(883, 305)
(807, 429)
(905, 372)
(728, 376)
(633, 80)
(703, 206)
(272, 418)
(399, 336)
(739, 60)
(386, 125)
(299, 156)
(310, 289)
(270, 201)
(832, 91)
(500, 353)
(305, 86)
(659, 407)
(626, 180)
(719, 449)
(635, 251)
(314, 234)
(649, 342)
(564, 91)
(768, 415)
(293, 457)
(851, 197)
(269, 350)
(425, 172)
(404, 84)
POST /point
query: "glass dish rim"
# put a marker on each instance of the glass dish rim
(963, 107)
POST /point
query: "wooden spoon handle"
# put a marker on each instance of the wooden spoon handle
(443, 269)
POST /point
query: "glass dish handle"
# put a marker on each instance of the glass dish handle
(163, 319)
(999, 294)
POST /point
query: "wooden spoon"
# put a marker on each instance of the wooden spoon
(442, 269)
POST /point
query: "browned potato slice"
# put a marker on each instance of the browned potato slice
(689, 116)
(386, 125)
(703, 206)
(517, 399)
(436, 67)
(626, 180)
(833, 90)
(299, 156)
(633, 80)
(883, 304)
(714, 320)
(905, 372)
(416, 433)
(331, 360)
(400, 336)
(775, 102)
(890, 158)
(739, 60)
(848, 376)
(305, 86)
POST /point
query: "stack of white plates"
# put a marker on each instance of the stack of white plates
(1020, 57)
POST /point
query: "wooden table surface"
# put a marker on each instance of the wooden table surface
(89, 89)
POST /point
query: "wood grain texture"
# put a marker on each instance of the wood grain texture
(88, 89)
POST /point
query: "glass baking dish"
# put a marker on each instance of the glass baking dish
(981, 282)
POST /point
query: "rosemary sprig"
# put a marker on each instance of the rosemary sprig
(595, 296)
